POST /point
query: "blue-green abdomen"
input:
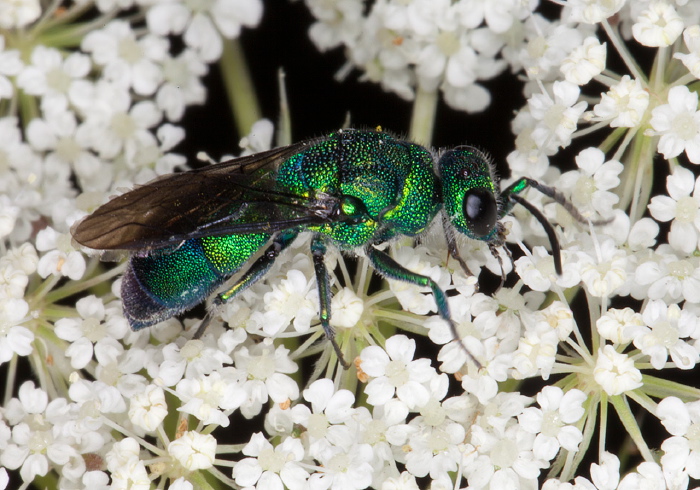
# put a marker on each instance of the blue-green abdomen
(165, 283)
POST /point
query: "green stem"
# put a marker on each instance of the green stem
(423, 117)
(622, 408)
(239, 87)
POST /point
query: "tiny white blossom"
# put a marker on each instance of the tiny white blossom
(681, 420)
(617, 325)
(603, 275)
(556, 118)
(682, 207)
(590, 185)
(207, 396)
(395, 371)
(18, 14)
(325, 421)
(193, 450)
(585, 62)
(60, 257)
(678, 123)
(148, 409)
(666, 327)
(625, 103)
(271, 466)
(691, 60)
(553, 422)
(593, 11)
(615, 372)
(658, 26)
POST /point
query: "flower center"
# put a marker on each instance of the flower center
(686, 209)
(318, 425)
(448, 43)
(67, 149)
(666, 334)
(123, 125)
(396, 372)
(269, 460)
(130, 51)
(93, 329)
(261, 367)
(551, 423)
(504, 453)
(684, 126)
(58, 80)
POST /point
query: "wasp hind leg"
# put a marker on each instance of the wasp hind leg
(254, 273)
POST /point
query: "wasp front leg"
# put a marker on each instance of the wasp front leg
(389, 268)
(318, 252)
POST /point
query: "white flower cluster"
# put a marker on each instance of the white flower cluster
(115, 408)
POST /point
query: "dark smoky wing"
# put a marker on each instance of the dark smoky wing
(200, 202)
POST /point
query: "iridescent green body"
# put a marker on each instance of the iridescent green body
(190, 232)
(386, 187)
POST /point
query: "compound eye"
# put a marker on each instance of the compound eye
(480, 211)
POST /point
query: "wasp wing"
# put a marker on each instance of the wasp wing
(236, 196)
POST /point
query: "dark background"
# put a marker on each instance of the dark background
(319, 104)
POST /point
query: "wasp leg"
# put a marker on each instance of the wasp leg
(318, 252)
(250, 277)
(389, 268)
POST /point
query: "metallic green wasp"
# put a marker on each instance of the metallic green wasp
(190, 232)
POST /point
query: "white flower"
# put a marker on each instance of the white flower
(60, 257)
(18, 14)
(615, 372)
(271, 466)
(589, 186)
(617, 325)
(604, 274)
(56, 135)
(193, 450)
(349, 468)
(112, 124)
(346, 308)
(206, 397)
(10, 65)
(691, 60)
(293, 299)
(678, 123)
(267, 368)
(182, 84)
(203, 23)
(127, 61)
(148, 409)
(585, 62)
(593, 11)
(52, 77)
(14, 338)
(395, 371)
(667, 327)
(93, 330)
(556, 118)
(658, 26)
(40, 441)
(325, 421)
(681, 420)
(606, 475)
(625, 103)
(682, 207)
(669, 277)
(553, 423)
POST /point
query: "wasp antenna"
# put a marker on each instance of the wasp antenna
(557, 196)
(548, 228)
